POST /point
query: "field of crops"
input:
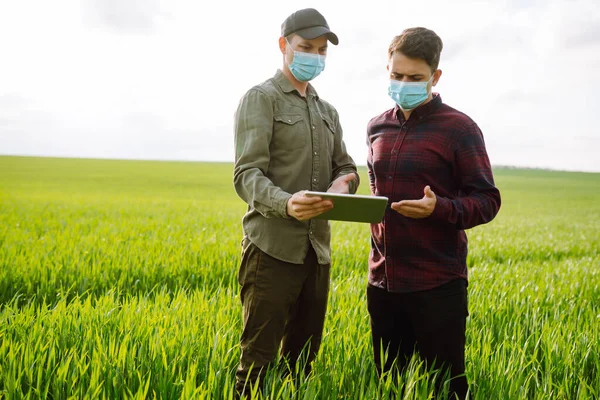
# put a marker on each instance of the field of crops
(118, 280)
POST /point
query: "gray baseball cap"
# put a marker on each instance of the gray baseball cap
(309, 24)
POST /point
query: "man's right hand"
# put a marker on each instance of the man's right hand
(302, 207)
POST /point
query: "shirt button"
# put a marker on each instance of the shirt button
(390, 177)
(290, 121)
(314, 180)
(310, 233)
(313, 127)
(394, 151)
(315, 153)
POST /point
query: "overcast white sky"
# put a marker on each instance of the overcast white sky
(161, 79)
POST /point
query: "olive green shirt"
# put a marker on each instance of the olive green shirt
(285, 143)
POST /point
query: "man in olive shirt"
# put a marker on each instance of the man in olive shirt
(287, 141)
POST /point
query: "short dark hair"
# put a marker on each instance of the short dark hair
(420, 43)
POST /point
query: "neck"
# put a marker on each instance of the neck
(298, 85)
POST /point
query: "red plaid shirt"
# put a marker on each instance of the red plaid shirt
(443, 148)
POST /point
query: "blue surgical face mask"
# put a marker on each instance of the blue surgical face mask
(408, 95)
(306, 66)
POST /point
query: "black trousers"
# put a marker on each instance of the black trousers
(431, 323)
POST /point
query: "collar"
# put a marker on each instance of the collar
(422, 110)
(286, 86)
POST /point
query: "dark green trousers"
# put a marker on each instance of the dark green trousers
(283, 306)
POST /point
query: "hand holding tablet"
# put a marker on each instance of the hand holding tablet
(352, 207)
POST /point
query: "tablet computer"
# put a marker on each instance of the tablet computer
(352, 207)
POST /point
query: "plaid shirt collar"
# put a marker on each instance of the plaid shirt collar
(422, 110)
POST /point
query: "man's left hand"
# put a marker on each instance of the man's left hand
(342, 184)
(417, 208)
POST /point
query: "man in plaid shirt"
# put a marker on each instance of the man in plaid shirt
(430, 160)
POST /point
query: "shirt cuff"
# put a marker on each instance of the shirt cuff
(280, 204)
(442, 209)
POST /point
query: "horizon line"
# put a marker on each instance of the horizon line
(69, 157)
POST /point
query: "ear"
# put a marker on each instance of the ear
(282, 44)
(436, 77)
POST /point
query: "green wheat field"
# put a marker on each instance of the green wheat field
(118, 279)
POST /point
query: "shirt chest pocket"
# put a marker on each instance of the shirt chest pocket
(329, 135)
(289, 131)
